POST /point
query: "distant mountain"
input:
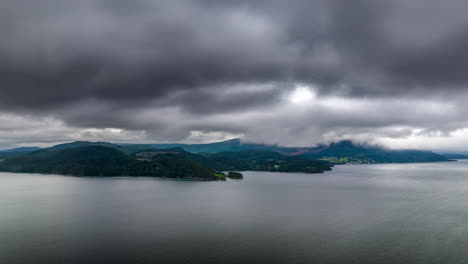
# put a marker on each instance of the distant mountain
(349, 152)
(232, 145)
(455, 156)
(337, 153)
(16, 151)
(77, 144)
(126, 148)
(22, 149)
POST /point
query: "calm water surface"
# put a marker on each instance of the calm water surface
(392, 213)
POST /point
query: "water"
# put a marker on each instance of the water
(389, 213)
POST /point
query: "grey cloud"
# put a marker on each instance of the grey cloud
(167, 68)
(62, 51)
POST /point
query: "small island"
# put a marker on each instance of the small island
(235, 175)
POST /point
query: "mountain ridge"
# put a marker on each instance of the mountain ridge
(107, 159)
(342, 152)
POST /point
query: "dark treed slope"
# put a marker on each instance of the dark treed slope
(92, 160)
(253, 160)
(104, 161)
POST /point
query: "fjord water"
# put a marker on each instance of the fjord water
(388, 213)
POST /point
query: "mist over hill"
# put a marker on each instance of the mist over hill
(340, 152)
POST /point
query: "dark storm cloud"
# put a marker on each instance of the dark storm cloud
(105, 51)
(406, 44)
(174, 67)
(60, 51)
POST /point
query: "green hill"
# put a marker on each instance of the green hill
(253, 160)
(264, 161)
(104, 161)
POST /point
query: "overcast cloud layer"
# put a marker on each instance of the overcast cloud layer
(294, 73)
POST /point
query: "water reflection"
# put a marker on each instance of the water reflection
(389, 213)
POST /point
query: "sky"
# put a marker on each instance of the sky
(293, 73)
